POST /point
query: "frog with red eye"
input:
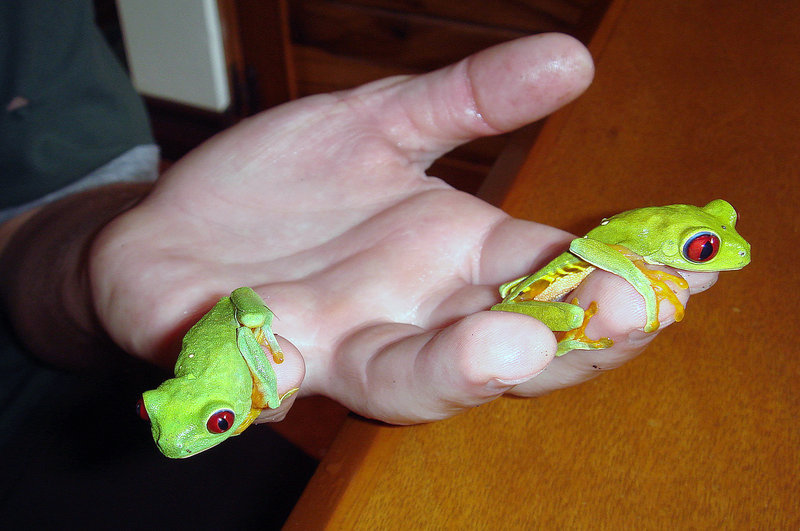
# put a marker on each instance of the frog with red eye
(223, 379)
(680, 236)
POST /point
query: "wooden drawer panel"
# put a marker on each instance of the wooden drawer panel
(410, 41)
(531, 16)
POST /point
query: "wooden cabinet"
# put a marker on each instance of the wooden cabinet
(363, 39)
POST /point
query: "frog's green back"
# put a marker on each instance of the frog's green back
(660, 234)
(215, 332)
(210, 375)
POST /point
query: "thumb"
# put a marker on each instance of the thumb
(494, 91)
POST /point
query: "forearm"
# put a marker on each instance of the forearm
(45, 285)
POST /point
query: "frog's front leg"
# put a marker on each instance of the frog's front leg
(658, 282)
(649, 284)
(265, 383)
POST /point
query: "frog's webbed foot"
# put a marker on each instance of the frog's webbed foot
(260, 403)
(658, 281)
(267, 339)
(576, 338)
(251, 416)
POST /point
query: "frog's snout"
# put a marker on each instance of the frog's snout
(744, 255)
(172, 448)
(745, 258)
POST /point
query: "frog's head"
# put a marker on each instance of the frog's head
(187, 417)
(685, 236)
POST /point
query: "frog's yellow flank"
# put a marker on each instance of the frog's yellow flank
(681, 236)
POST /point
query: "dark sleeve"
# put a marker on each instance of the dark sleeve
(67, 106)
(76, 456)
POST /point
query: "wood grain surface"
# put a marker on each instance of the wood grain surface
(692, 101)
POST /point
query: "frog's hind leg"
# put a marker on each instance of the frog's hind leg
(576, 338)
(557, 316)
(264, 380)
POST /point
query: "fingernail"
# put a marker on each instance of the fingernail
(500, 384)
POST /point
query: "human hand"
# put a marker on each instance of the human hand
(378, 275)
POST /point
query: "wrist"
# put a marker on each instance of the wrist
(46, 284)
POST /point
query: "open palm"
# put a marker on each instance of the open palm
(378, 275)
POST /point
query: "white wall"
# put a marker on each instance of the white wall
(175, 51)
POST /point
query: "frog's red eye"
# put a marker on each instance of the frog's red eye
(701, 247)
(221, 421)
(141, 410)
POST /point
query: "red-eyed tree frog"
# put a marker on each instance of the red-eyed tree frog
(222, 381)
(680, 236)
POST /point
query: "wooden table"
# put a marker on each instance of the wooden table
(692, 101)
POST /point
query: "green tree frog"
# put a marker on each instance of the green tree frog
(680, 236)
(222, 379)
